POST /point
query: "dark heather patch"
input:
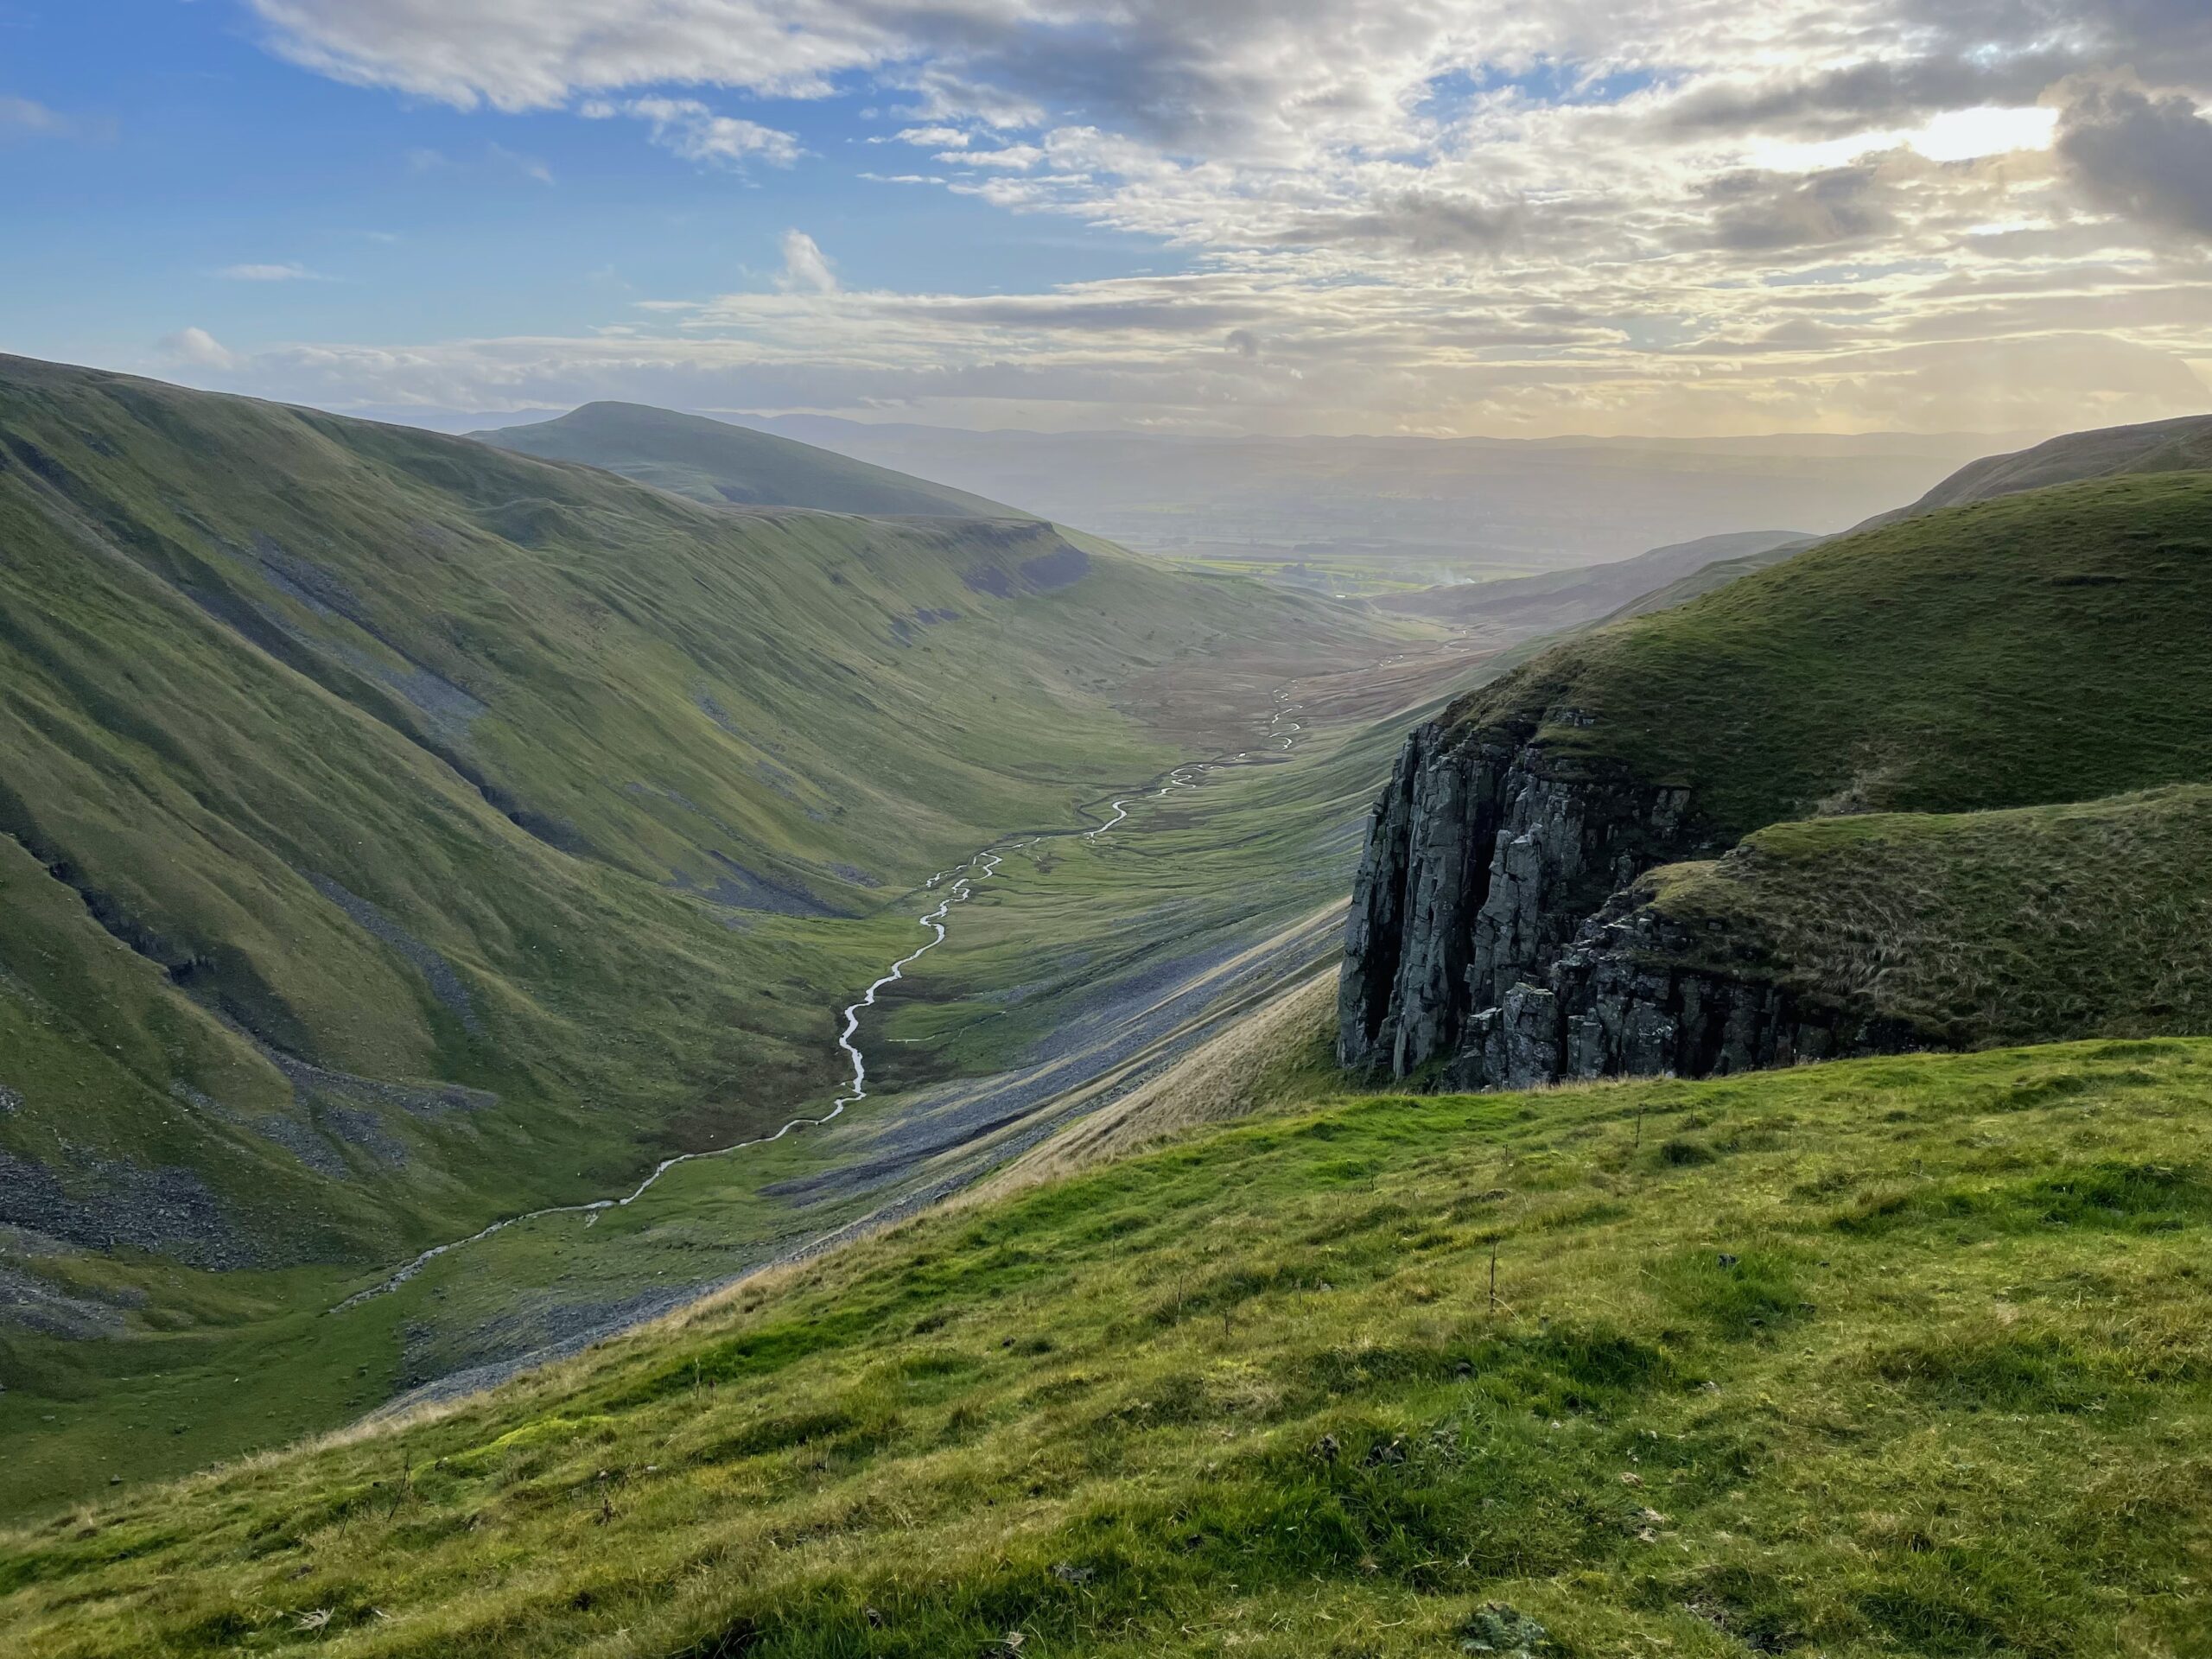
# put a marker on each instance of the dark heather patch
(713, 710)
(448, 710)
(988, 580)
(777, 1434)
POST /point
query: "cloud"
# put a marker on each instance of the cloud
(497, 157)
(23, 115)
(1878, 94)
(529, 166)
(690, 129)
(522, 54)
(197, 348)
(1592, 214)
(806, 268)
(1016, 158)
(1418, 220)
(283, 273)
(1764, 213)
(2146, 158)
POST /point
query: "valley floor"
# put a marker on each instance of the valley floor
(1901, 1356)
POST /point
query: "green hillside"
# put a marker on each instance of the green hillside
(2035, 924)
(1562, 598)
(2036, 649)
(395, 833)
(2184, 445)
(1706, 579)
(717, 462)
(1927, 746)
(1893, 1356)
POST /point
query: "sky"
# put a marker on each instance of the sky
(1433, 216)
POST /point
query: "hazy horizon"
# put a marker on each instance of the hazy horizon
(460, 423)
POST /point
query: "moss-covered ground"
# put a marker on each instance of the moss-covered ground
(1973, 928)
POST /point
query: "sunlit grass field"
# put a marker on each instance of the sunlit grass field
(1903, 1356)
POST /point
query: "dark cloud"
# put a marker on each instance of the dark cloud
(1971, 52)
(1837, 102)
(1774, 212)
(1419, 221)
(2148, 159)
(2172, 38)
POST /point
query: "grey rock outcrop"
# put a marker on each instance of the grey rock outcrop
(1497, 940)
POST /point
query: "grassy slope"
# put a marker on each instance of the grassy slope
(1706, 579)
(2032, 924)
(1560, 598)
(2183, 445)
(532, 715)
(1071, 940)
(1892, 1356)
(714, 460)
(2035, 649)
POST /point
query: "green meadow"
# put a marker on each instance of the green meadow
(1902, 1355)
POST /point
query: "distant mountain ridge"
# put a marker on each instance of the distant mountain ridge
(2175, 446)
(1668, 577)
(1560, 598)
(716, 461)
(1410, 510)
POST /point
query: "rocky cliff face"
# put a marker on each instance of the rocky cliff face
(1496, 940)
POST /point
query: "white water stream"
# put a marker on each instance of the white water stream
(964, 878)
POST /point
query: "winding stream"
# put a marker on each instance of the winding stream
(964, 879)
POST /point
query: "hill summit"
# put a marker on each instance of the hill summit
(718, 462)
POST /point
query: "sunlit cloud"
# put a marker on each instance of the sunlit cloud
(690, 129)
(1411, 214)
(806, 268)
(197, 348)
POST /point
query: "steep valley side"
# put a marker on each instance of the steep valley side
(1544, 894)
